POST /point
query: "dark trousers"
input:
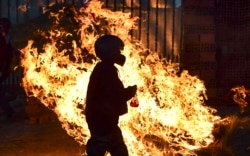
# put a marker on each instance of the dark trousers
(112, 143)
(4, 104)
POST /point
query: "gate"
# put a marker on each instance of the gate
(159, 24)
(159, 27)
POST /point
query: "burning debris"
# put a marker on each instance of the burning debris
(231, 138)
(172, 117)
(241, 97)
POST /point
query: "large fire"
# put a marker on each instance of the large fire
(172, 117)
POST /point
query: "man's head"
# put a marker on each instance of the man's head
(108, 48)
(5, 25)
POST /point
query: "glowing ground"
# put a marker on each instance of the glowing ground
(18, 138)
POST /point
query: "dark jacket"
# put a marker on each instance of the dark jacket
(3, 55)
(6, 56)
(106, 99)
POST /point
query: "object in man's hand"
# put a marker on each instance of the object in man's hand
(134, 102)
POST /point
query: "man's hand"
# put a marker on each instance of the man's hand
(133, 90)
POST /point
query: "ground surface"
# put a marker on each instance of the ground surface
(18, 137)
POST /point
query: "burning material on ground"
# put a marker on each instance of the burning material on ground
(172, 117)
(241, 97)
(231, 138)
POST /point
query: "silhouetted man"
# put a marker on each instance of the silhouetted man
(5, 61)
(107, 99)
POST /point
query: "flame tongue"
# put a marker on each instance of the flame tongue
(171, 117)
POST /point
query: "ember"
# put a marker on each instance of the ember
(172, 117)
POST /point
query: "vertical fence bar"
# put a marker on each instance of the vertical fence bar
(107, 3)
(148, 24)
(140, 20)
(173, 31)
(132, 12)
(8, 9)
(17, 14)
(165, 29)
(0, 8)
(115, 5)
(181, 38)
(123, 5)
(156, 25)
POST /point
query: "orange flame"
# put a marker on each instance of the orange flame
(23, 8)
(240, 96)
(171, 118)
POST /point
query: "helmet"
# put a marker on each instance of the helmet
(108, 47)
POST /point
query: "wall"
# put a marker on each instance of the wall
(232, 37)
(216, 43)
(199, 41)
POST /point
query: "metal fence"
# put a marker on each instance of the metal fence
(159, 24)
(159, 27)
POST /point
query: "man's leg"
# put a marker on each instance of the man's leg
(95, 147)
(4, 104)
(117, 147)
